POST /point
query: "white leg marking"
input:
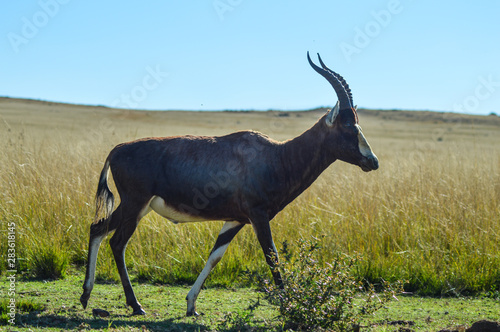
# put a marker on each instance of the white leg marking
(213, 259)
(275, 250)
(94, 250)
(228, 225)
(211, 262)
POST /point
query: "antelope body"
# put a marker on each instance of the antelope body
(241, 178)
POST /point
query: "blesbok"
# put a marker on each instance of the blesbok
(241, 178)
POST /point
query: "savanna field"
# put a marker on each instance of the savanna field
(430, 215)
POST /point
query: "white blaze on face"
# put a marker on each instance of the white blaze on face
(364, 147)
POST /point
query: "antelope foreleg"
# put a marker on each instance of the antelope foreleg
(227, 233)
(263, 231)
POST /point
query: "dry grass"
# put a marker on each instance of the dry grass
(430, 214)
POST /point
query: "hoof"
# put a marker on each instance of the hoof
(192, 314)
(139, 311)
(84, 300)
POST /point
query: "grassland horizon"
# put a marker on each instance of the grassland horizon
(430, 215)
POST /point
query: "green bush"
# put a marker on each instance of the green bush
(328, 296)
(48, 263)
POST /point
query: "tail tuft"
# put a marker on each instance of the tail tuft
(104, 199)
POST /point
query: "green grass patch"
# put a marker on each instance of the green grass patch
(48, 263)
(54, 306)
(22, 307)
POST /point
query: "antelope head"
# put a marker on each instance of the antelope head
(345, 138)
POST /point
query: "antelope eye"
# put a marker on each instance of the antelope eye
(348, 124)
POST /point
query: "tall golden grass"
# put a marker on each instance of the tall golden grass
(429, 215)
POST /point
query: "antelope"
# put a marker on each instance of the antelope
(240, 178)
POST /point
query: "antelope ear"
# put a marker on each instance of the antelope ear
(332, 115)
(356, 107)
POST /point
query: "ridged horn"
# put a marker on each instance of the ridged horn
(340, 78)
(338, 83)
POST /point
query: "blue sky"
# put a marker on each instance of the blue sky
(242, 54)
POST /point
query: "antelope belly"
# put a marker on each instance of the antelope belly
(163, 209)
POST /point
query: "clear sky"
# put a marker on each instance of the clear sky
(241, 54)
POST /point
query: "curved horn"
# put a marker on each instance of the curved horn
(338, 83)
(340, 78)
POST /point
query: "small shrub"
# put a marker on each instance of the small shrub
(240, 320)
(328, 296)
(48, 263)
(236, 321)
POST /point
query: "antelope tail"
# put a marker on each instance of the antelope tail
(104, 199)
